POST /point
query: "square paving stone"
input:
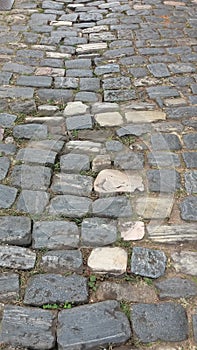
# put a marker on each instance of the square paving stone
(172, 233)
(111, 260)
(77, 185)
(185, 262)
(129, 161)
(159, 322)
(17, 257)
(55, 235)
(190, 159)
(98, 232)
(163, 180)
(7, 120)
(28, 327)
(79, 122)
(176, 287)
(112, 207)
(163, 159)
(32, 202)
(39, 156)
(30, 131)
(96, 325)
(4, 167)
(15, 230)
(9, 287)
(191, 181)
(56, 289)
(189, 208)
(159, 70)
(148, 262)
(74, 163)
(7, 196)
(70, 206)
(62, 261)
(31, 177)
(164, 141)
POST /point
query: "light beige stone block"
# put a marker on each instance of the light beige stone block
(108, 260)
(109, 119)
(144, 116)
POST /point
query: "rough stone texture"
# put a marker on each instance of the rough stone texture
(194, 319)
(190, 159)
(40, 156)
(75, 108)
(165, 322)
(176, 287)
(4, 167)
(15, 230)
(30, 131)
(74, 163)
(101, 162)
(79, 122)
(110, 181)
(98, 324)
(88, 147)
(22, 177)
(163, 159)
(131, 230)
(134, 129)
(129, 161)
(32, 202)
(9, 287)
(22, 326)
(112, 207)
(164, 141)
(17, 257)
(191, 181)
(144, 116)
(185, 262)
(77, 185)
(189, 208)
(55, 235)
(190, 141)
(98, 232)
(109, 119)
(7, 196)
(108, 260)
(7, 120)
(62, 261)
(134, 293)
(163, 180)
(70, 206)
(114, 146)
(148, 262)
(55, 289)
(154, 208)
(172, 233)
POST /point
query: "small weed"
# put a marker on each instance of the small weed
(125, 307)
(88, 173)
(67, 306)
(50, 306)
(92, 282)
(57, 166)
(75, 134)
(129, 278)
(128, 140)
(148, 281)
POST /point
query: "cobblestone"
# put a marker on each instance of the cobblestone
(98, 175)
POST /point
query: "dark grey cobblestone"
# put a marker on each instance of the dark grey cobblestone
(62, 261)
(148, 262)
(15, 230)
(9, 287)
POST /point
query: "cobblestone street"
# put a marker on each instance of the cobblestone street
(98, 175)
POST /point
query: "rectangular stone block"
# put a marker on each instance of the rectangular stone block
(9, 287)
(144, 116)
(173, 233)
(17, 257)
(15, 230)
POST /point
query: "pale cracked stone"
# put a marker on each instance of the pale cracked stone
(111, 260)
(84, 48)
(75, 108)
(131, 230)
(109, 119)
(185, 262)
(172, 233)
(154, 207)
(111, 181)
(144, 116)
(17, 257)
(89, 147)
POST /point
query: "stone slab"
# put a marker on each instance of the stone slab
(15, 230)
(134, 129)
(129, 161)
(176, 287)
(148, 262)
(112, 260)
(189, 208)
(17, 257)
(62, 261)
(112, 207)
(70, 206)
(4, 167)
(111, 181)
(79, 122)
(9, 287)
(39, 156)
(131, 230)
(7, 196)
(55, 289)
(163, 180)
(185, 262)
(32, 202)
(144, 116)
(109, 119)
(154, 207)
(97, 325)
(75, 184)
(31, 177)
(172, 233)
(55, 235)
(28, 327)
(74, 163)
(98, 232)
(30, 131)
(191, 181)
(7, 120)
(164, 322)
(75, 108)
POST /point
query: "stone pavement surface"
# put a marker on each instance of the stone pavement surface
(98, 175)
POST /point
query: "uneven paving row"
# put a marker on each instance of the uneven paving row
(98, 175)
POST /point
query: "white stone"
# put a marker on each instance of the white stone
(95, 29)
(172, 233)
(154, 207)
(47, 110)
(101, 162)
(85, 146)
(130, 230)
(144, 116)
(108, 260)
(111, 181)
(174, 3)
(185, 262)
(61, 23)
(91, 47)
(109, 119)
(58, 55)
(75, 108)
